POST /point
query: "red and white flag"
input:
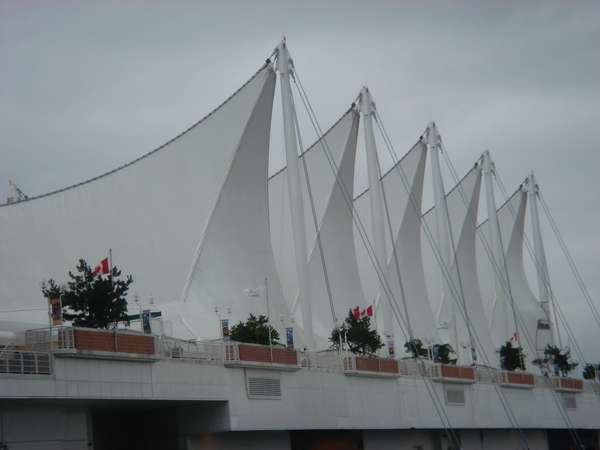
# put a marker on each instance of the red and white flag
(513, 338)
(103, 268)
(360, 314)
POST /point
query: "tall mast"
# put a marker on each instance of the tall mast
(377, 208)
(444, 238)
(285, 67)
(540, 255)
(500, 314)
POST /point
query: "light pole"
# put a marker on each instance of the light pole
(220, 327)
(136, 299)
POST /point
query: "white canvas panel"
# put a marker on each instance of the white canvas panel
(234, 253)
(405, 266)
(153, 234)
(318, 159)
(338, 277)
(396, 184)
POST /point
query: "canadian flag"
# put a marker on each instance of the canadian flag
(514, 337)
(368, 312)
(102, 268)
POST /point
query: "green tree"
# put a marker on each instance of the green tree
(357, 332)
(254, 331)
(511, 358)
(92, 300)
(415, 348)
(559, 360)
(442, 352)
(590, 371)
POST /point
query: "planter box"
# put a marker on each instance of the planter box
(516, 380)
(109, 341)
(467, 373)
(376, 365)
(568, 384)
(262, 353)
(521, 378)
(457, 374)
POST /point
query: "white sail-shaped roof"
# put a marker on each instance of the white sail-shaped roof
(527, 310)
(461, 310)
(321, 161)
(152, 233)
(405, 274)
(465, 280)
(234, 253)
(397, 184)
(335, 283)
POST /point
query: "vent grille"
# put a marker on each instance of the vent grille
(455, 396)
(264, 388)
(570, 402)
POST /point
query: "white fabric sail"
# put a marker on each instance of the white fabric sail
(405, 273)
(234, 253)
(332, 261)
(397, 186)
(322, 174)
(528, 311)
(462, 322)
(153, 235)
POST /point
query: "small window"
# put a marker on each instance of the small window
(455, 394)
(543, 325)
(569, 401)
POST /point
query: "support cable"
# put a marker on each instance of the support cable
(445, 273)
(380, 274)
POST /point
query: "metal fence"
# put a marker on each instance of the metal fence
(25, 363)
(44, 339)
(192, 350)
(326, 361)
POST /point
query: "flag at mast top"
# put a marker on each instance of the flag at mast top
(105, 265)
(102, 268)
(361, 314)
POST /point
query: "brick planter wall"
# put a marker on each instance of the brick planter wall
(449, 371)
(376, 365)
(521, 378)
(570, 383)
(88, 339)
(262, 353)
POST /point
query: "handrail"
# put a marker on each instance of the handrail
(25, 363)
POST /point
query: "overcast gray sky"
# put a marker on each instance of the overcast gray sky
(90, 85)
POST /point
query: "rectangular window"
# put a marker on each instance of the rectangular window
(543, 325)
(569, 401)
(455, 394)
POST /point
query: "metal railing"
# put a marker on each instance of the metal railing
(326, 361)
(193, 350)
(486, 374)
(44, 339)
(412, 368)
(25, 363)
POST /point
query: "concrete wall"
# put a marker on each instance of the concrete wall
(30, 425)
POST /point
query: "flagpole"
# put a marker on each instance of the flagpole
(269, 319)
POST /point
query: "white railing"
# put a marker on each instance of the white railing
(44, 339)
(327, 361)
(486, 374)
(25, 363)
(412, 368)
(192, 350)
